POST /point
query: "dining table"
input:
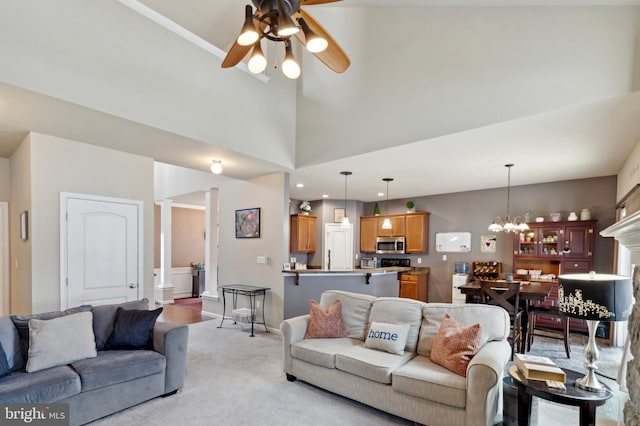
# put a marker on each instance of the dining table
(529, 291)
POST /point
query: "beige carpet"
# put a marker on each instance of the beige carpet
(233, 379)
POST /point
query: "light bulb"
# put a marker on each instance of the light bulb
(216, 167)
(290, 67)
(248, 35)
(258, 62)
(317, 44)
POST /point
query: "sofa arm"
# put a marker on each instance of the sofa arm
(171, 341)
(292, 330)
(484, 382)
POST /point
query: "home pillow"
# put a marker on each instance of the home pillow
(21, 323)
(454, 345)
(60, 341)
(391, 338)
(4, 365)
(132, 329)
(325, 324)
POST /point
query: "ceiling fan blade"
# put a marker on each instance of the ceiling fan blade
(238, 51)
(312, 2)
(333, 56)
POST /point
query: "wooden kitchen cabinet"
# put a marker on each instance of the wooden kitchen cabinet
(414, 286)
(368, 234)
(303, 233)
(417, 232)
(397, 226)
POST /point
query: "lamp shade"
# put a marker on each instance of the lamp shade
(599, 297)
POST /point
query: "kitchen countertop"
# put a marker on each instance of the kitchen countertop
(354, 271)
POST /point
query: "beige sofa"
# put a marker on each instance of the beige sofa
(409, 385)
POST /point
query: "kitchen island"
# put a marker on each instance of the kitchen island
(301, 286)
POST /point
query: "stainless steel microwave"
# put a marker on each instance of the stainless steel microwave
(390, 245)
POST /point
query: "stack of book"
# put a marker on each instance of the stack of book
(534, 367)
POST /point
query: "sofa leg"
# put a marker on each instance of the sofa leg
(291, 377)
(170, 393)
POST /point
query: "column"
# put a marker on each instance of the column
(164, 290)
(211, 245)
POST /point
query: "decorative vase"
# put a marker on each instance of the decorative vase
(572, 216)
(585, 214)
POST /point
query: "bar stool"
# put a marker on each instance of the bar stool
(507, 296)
(549, 311)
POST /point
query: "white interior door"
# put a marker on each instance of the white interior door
(102, 249)
(338, 246)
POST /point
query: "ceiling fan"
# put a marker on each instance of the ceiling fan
(279, 20)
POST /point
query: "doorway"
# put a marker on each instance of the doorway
(338, 246)
(101, 250)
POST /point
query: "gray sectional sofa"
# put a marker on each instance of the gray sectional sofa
(101, 384)
(408, 385)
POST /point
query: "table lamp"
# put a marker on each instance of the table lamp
(594, 297)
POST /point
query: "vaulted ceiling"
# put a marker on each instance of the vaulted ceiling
(440, 98)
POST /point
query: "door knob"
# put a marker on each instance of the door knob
(133, 285)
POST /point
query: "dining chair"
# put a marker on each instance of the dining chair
(507, 296)
(535, 311)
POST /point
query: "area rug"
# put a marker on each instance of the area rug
(234, 379)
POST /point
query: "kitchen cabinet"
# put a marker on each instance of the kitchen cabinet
(417, 232)
(397, 226)
(539, 241)
(368, 234)
(303, 233)
(414, 286)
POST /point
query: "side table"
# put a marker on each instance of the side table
(244, 290)
(587, 401)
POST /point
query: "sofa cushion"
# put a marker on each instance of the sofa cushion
(322, 352)
(21, 323)
(133, 329)
(5, 370)
(394, 310)
(390, 338)
(493, 320)
(325, 324)
(355, 310)
(454, 345)
(111, 367)
(105, 315)
(10, 340)
(50, 385)
(371, 364)
(60, 341)
(423, 378)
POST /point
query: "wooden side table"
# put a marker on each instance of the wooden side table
(587, 401)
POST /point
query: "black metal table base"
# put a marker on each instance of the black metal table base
(244, 290)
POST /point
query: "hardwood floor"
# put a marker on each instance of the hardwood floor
(180, 315)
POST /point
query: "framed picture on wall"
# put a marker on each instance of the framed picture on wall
(24, 225)
(488, 243)
(248, 223)
(338, 215)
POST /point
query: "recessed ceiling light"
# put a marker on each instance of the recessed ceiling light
(299, 185)
(380, 194)
(325, 195)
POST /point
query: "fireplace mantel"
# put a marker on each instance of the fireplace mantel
(626, 231)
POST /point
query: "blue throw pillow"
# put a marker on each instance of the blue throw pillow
(133, 329)
(4, 365)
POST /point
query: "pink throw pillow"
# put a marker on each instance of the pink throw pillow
(325, 324)
(454, 345)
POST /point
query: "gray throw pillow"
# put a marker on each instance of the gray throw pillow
(4, 365)
(60, 341)
(22, 324)
(105, 315)
(133, 329)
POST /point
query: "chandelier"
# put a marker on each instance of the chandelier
(279, 21)
(507, 224)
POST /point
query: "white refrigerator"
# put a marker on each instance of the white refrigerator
(456, 281)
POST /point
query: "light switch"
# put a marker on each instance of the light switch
(444, 257)
(263, 260)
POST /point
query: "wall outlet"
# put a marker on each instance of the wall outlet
(444, 257)
(419, 260)
(263, 260)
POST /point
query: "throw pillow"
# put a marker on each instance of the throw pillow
(454, 345)
(133, 329)
(22, 325)
(386, 337)
(60, 341)
(325, 324)
(105, 315)
(4, 365)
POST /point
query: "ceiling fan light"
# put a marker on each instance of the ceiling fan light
(248, 35)
(216, 167)
(257, 62)
(314, 42)
(290, 67)
(286, 26)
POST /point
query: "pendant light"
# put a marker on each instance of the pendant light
(386, 223)
(345, 220)
(507, 224)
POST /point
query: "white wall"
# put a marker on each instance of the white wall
(5, 181)
(437, 71)
(61, 165)
(170, 180)
(629, 175)
(237, 256)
